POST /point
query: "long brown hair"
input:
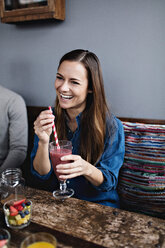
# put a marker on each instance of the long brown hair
(93, 118)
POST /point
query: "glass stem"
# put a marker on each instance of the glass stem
(63, 185)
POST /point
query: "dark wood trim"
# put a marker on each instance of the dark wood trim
(140, 120)
(32, 113)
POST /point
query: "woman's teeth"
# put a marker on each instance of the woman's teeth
(65, 97)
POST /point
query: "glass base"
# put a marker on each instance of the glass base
(63, 194)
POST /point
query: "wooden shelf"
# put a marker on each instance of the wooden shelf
(55, 9)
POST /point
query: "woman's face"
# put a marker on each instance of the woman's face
(72, 86)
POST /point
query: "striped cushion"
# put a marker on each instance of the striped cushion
(142, 177)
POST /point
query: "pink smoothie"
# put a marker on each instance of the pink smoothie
(56, 155)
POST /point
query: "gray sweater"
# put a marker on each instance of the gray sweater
(13, 129)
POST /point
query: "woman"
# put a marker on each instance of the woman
(82, 116)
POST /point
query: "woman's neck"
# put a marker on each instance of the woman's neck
(72, 115)
(72, 122)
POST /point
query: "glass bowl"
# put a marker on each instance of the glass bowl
(17, 213)
(4, 238)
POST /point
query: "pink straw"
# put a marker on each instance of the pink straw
(54, 132)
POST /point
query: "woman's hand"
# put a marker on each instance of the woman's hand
(43, 126)
(77, 167)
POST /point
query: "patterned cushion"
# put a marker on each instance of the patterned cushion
(142, 177)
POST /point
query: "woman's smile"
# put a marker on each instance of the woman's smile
(66, 97)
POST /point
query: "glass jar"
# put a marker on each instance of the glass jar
(12, 185)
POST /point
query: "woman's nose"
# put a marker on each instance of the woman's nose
(65, 86)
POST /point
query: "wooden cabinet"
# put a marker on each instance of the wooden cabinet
(32, 10)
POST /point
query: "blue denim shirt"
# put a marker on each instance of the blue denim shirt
(109, 163)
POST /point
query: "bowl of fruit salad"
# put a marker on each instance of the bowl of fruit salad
(17, 213)
(4, 238)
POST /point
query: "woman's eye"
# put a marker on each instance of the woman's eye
(60, 78)
(74, 82)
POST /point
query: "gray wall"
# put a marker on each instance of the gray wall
(128, 36)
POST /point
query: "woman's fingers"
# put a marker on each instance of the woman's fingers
(44, 118)
(70, 157)
(76, 167)
(69, 170)
(43, 125)
(46, 115)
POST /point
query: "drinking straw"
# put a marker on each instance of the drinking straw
(54, 132)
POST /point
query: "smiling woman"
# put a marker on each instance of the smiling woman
(83, 117)
(72, 87)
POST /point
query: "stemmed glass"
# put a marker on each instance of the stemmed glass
(65, 148)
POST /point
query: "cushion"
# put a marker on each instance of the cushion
(141, 185)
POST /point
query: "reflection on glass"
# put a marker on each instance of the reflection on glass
(17, 4)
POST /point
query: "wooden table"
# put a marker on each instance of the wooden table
(77, 223)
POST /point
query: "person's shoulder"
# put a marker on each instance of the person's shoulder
(118, 121)
(113, 124)
(12, 100)
(9, 93)
(4, 92)
(113, 121)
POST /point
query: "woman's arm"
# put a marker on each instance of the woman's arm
(94, 175)
(41, 162)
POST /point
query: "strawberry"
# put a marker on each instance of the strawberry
(13, 211)
(18, 202)
(19, 208)
(3, 242)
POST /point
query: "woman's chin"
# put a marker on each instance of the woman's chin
(64, 106)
